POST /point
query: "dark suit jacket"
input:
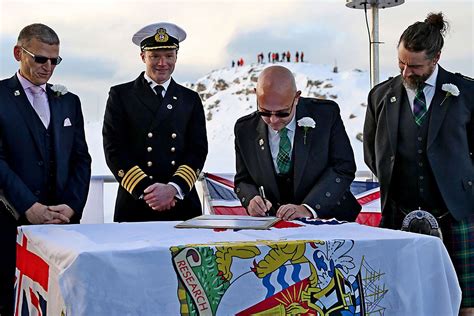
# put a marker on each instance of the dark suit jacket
(324, 167)
(23, 172)
(449, 146)
(22, 169)
(146, 143)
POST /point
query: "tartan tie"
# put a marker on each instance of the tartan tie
(159, 93)
(419, 106)
(284, 152)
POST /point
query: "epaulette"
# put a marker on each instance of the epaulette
(464, 77)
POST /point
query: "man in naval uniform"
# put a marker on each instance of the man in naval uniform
(296, 149)
(154, 135)
(419, 142)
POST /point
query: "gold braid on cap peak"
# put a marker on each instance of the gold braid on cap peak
(188, 174)
(132, 178)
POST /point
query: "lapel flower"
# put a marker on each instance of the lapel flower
(451, 89)
(59, 89)
(306, 123)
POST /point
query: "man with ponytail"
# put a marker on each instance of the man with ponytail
(419, 142)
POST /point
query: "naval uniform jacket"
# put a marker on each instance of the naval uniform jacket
(146, 143)
(450, 142)
(323, 167)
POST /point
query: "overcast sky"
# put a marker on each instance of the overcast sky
(98, 52)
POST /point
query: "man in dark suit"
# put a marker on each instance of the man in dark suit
(154, 133)
(45, 166)
(297, 150)
(419, 140)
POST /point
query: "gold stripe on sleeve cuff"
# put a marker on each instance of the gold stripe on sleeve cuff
(185, 177)
(134, 184)
(187, 173)
(132, 177)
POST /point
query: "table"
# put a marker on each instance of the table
(155, 269)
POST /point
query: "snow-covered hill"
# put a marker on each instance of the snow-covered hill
(228, 94)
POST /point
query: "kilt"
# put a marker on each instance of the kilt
(458, 237)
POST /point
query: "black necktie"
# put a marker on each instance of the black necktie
(159, 93)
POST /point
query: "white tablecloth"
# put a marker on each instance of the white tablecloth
(155, 269)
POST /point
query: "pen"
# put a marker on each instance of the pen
(262, 194)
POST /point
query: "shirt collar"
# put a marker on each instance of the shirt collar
(431, 81)
(153, 83)
(26, 84)
(291, 126)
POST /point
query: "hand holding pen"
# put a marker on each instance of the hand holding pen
(259, 205)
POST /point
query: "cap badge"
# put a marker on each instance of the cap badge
(161, 35)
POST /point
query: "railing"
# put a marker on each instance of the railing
(94, 209)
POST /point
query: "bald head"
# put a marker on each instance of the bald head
(277, 81)
(277, 94)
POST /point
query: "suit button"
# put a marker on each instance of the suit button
(328, 194)
(317, 206)
(420, 139)
(40, 163)
(149, 149)
(173, 135)
(149, 163)
(173, 149)
(37, 192)
(150, 135)
(420, 164)
(420, 151)
(421, 177)
(151, 177)
(338, 180)
(173, 163)
(469, 182)
(392, 158)
(338, 203)
(344, 197)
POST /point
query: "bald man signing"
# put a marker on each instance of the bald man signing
(296, 149)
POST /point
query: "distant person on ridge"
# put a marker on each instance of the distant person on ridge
(302, 56)
(297, 56)
(419, 142)
(154, 133)
(297, 150)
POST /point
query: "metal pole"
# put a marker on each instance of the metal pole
(374, 62)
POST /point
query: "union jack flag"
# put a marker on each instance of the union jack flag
(221, 199)
(32, 280)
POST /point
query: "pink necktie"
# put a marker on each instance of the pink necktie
(40, 104)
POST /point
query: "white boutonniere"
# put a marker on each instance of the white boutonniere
(451, 89)
(306, 123)
(59, 89)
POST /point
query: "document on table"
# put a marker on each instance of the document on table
(229, 221)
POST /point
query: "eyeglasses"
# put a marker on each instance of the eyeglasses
(42, 59)
(279, 114)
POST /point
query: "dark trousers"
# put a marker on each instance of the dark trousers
(8, 228)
